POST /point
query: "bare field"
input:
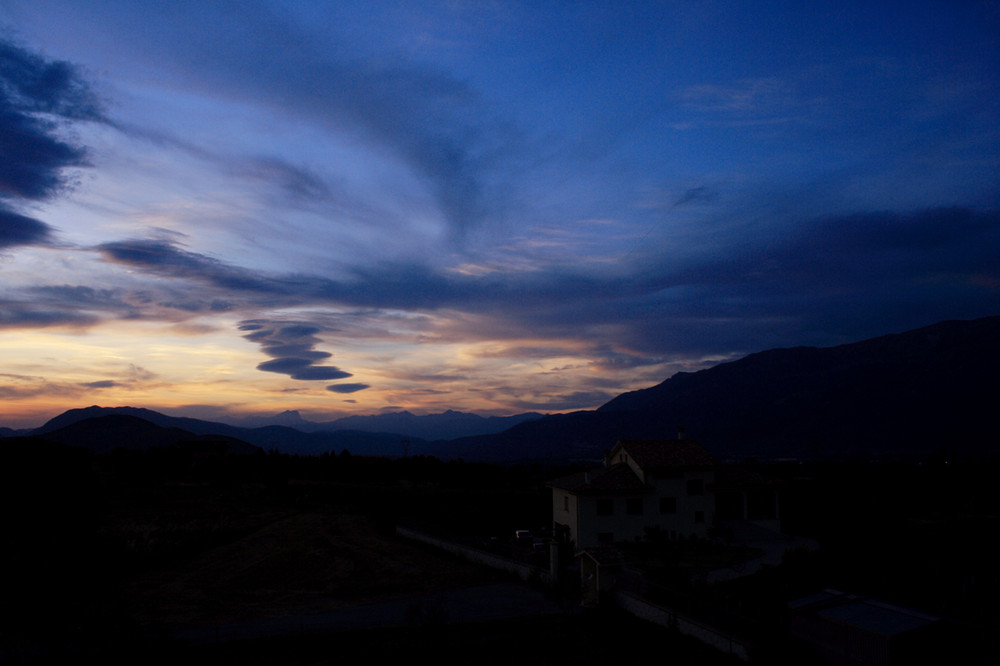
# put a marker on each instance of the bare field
(280, 563)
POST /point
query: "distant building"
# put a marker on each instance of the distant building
(645, 485)
(671, 487)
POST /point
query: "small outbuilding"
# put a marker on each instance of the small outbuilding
(847, 629)
(599, 568)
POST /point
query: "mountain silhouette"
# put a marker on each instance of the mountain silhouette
(904, 395)
(105, 433)
(932, 390)
(446, 425)
(280, 438)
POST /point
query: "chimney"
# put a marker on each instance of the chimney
(680, 432)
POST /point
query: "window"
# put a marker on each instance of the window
(668, 505)
(695, 487)
(633, 506)
(605, 537)
(699, 516)
(605, 507)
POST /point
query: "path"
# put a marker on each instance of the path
(486, 602)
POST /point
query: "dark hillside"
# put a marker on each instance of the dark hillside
(104, 434)
(899, 396)
(281, 438)
(906, 394)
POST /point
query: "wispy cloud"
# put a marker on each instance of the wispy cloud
(748, 95)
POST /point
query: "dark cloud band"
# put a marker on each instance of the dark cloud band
(347, 388)
(16, 229)
(36, 97)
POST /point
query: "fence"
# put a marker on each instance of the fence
(523, 571)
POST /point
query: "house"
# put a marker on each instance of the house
(645, 485)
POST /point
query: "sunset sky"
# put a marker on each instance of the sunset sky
(219, 208)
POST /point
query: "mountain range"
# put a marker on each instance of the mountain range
(927, 391)
(908, 395)
(446, 425)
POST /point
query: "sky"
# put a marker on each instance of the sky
(217, 209)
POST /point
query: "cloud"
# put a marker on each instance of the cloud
(700, 194)
(772, 279)
(302, 368)
(297, 182)
(19, 387)
(854, 252)
(26, 316)
(433, 121)
(166, 259)
(802, 279)
(104, 383)
(16, 229)
(347, 388)
(560, 402)
(290, 344)
(745, 94)
(37, 98)
(80, 295)
(386, 285)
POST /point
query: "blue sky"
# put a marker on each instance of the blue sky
(216, 208)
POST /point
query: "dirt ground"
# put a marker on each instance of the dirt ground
(290, 564)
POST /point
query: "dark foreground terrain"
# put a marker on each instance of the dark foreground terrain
(120, 556)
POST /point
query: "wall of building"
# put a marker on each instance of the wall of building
(684, 523)
(565, 511)
(589, 526)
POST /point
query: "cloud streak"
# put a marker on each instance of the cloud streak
(864, 259)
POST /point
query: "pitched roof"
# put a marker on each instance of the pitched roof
(653, 454)
(616, 478)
